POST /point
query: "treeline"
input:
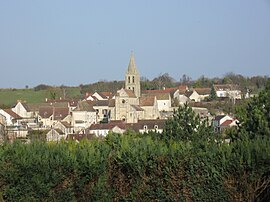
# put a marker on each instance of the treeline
(254, 84)
(187, 162)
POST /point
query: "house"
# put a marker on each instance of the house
(203, 93)
(10, 118)
(64, 126)
(228, 90)
(48, 116)
(55, 135)
(103, 129)
(193, 96)
(83, 116)
(180, 95)
(23, 110)
(145, 126)
(164, 101)
(102, 110)
(221, 122)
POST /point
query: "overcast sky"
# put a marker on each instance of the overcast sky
(68, 42)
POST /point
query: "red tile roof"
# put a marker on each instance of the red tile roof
(12, 113)
(226, 123)
(147, 101)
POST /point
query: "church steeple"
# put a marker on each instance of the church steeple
(132, 69)
(132, 81)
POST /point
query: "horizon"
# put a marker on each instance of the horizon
(72, 43)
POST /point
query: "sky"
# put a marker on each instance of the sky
(64, 42)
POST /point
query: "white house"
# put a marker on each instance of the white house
(221, 122)
(48, 116)
(55, 135)
(228, 90)
(83, 116)
(22, 110)
(10, 117)
(104, 128)
(145, 126)
(64, 126)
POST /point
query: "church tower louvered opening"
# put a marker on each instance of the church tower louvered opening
(132, 81)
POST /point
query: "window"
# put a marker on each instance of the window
(156, 127)
(145, 127)
(129, 79)
(133, 79)
(123, 101)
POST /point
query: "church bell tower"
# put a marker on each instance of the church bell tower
(132, 81)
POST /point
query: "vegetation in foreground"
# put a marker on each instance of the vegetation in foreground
(182, 164)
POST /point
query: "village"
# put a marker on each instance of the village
(102, 112)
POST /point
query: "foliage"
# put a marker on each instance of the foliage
(185, 125)
(41, 87)
(133, 167)
(254, 116)
(213, 94)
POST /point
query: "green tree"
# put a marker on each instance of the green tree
(213, 94)
(255, 116)
(185, 125)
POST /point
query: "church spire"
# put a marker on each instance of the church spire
(132, 81)
(132, 69)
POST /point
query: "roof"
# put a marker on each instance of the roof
(33, 107)
(219, 117)
(26, 106)
(108, 126)
(107, 94)
(84, 106)
(79, 137)
(45, 112)
(147, 101)
(203, 91)
(101, 103)
(160, 96)
(188, 93)
(226, 87)
(59, 113)
(103, 96)
(166, 90)
(137, 107)
(226, 123)
(112, 103)
(66, 124)
(12, 113)
(182, 88)
(130, 93)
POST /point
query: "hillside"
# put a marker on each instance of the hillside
(9, 96)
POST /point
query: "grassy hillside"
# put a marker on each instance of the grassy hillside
(10, 96)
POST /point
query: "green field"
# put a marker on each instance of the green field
(10, 96)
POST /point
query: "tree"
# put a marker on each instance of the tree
(185, 80)
(213, 94)
(255, 117)
(185, 125)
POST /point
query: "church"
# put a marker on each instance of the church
(130, 105)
